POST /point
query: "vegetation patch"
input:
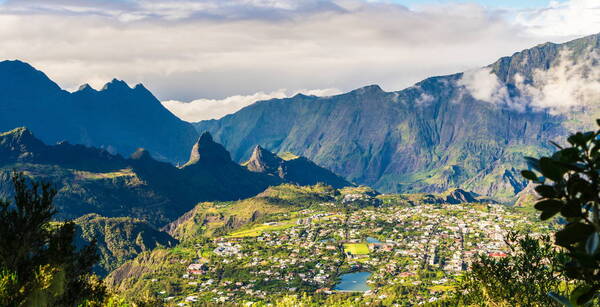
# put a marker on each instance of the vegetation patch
(356, 248)
(259, 229)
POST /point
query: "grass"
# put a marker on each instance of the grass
(356, 248)
(110, 175)
(260, 229)
(288, 156)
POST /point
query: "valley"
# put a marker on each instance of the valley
(415, 252)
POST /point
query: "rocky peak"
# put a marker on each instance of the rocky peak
(20, 144)
(263, 161)
(84, 88)
(207, 151)
(116, 85)
(19, 136)
(141, 154)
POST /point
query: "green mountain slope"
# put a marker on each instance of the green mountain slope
(119, 239)
(440, 133)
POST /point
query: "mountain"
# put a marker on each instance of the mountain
(119, 239)
(92, 180)
(468, 130)
(117, 117)
(293, 169)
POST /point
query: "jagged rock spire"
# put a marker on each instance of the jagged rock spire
(207, 151)
(263, 161)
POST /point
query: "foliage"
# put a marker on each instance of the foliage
(39, 264)
(569, 185)
(523, 278)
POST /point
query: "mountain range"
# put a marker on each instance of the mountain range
(468, 130)
(117, 118)
(92, 180)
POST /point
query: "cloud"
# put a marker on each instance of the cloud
(565, 18)
(202, 109)
(573, 80)
(185, 50)
(484, 85)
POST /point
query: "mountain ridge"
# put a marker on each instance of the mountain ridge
(437, 134)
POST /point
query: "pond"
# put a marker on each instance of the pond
(353, 282)
(373, 240)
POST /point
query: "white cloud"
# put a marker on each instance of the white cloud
(566, 19)
(202, 109)
(573, 80)
(184, 50)
(484, 85)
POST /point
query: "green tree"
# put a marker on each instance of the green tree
(523, 278)
(39, 265)
(568, 183)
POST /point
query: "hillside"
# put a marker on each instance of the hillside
(117, 118)
(119, 239)
(468, 130)
(217, 218)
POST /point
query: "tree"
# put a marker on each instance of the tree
(39, 264)
(523, 278)
(568, 183)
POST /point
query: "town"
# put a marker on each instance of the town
(388, 253)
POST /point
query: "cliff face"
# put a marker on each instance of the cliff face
(467, 130)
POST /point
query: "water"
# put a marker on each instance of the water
(373, 240)
(353, 282)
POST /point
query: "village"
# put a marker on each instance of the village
(421, 249)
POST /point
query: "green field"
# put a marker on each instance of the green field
(356, 248)
(259, 229)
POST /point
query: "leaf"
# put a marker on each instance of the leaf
(591, 245)
(573, 233)
(567, 155)
(571, 209)
(549, 205)
(545, 191)
(560, 299)
(552, 170)
(529, 175)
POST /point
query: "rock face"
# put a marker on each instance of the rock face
(206, 151)
(438, 134)
(298, 170)
(117, 118)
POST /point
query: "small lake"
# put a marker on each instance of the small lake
(373, 240)
(353, 282)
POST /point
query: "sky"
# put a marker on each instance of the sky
(207, 58)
